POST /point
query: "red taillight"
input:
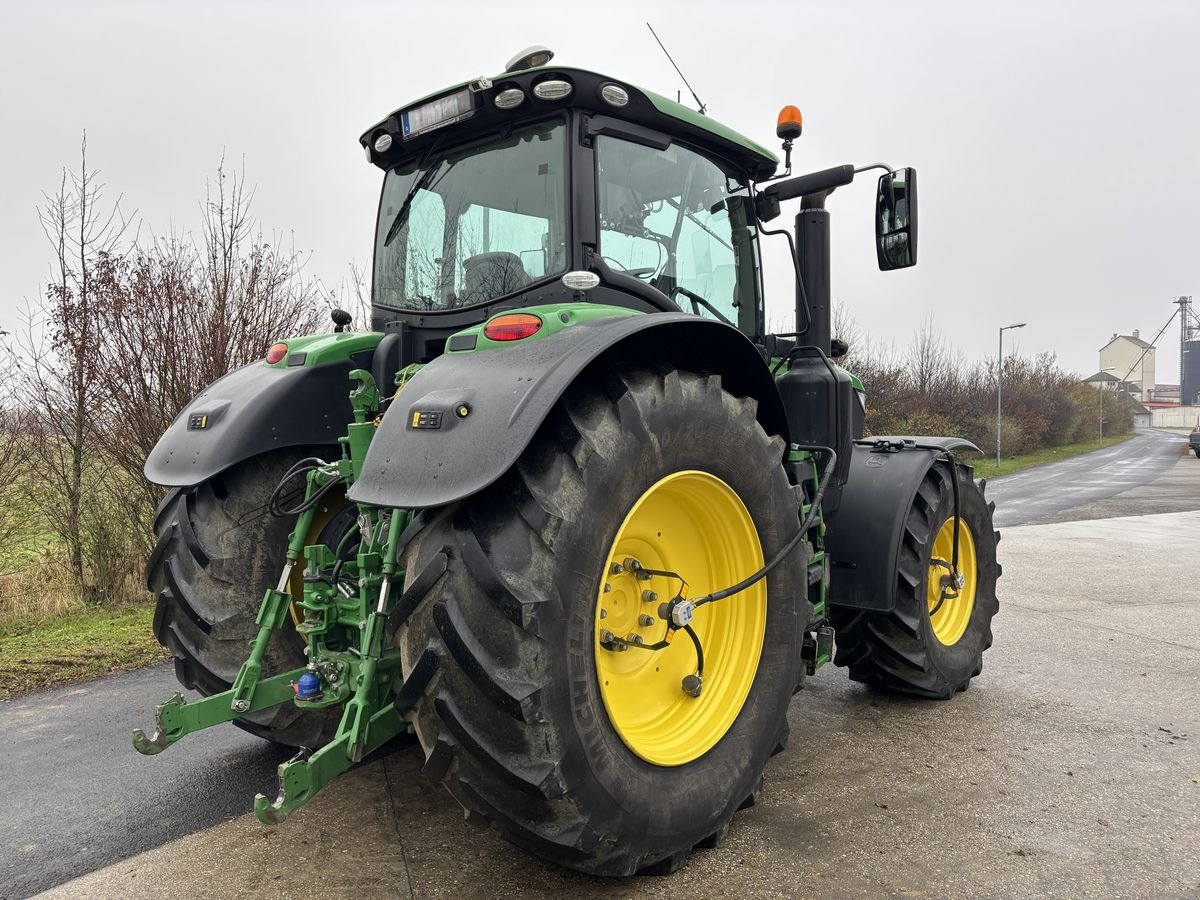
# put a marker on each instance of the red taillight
(276, 353)
(512, 327)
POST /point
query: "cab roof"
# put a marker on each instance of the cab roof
(644, 108)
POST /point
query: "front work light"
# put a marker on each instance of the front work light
(552, 89)
(510, 98)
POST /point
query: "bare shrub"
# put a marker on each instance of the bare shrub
(178, 314)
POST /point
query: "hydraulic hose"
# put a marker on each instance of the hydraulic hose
(303, 467)
(805, 527)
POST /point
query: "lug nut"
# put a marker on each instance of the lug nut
(606, 636)
(645, 621)
(692, 685)
(632, 638)
(604, 613)
(607, 587)
(632, 564)
(616, 569)
(650, 596)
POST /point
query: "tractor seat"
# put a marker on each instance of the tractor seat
(487, 276)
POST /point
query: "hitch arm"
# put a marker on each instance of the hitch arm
(306, 773)
(177, 717)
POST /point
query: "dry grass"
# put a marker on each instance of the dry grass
(43, 590)
(84, 644)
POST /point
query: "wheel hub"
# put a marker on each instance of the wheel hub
(951, 594)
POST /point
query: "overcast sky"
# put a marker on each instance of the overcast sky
(1056, 141)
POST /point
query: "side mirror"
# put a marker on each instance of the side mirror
(896, 220)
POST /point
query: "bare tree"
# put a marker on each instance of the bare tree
(928, 359)
(178, 314)
(13, 441)
(62, 334)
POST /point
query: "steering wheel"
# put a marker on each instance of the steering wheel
(636, 273)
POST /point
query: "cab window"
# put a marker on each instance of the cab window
(682, 223)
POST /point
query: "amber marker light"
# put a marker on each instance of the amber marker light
(512, 327)
(789, 124)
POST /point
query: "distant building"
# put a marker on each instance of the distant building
(1132, 360)
(1164, 393)
(1110, 382)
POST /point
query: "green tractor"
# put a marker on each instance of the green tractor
(568, 512)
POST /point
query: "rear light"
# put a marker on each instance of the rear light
(512, 327)
(276, 353)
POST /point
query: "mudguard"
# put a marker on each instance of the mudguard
(261, 407)
(464, 419)
(865, 532)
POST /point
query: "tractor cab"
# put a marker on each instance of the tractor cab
(497, 188)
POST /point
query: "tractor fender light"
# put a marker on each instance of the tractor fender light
(383, 143)
(277, 352)
(510, 98)
(614, 95)
(512, 327)
(553, 89)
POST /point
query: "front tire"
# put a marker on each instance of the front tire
(499, 623)
(930, 645)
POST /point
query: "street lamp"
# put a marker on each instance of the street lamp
(999, 380)
(1102, 371)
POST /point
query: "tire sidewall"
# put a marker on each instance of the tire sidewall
(678, 801)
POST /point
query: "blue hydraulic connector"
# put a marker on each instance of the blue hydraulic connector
(308, 686)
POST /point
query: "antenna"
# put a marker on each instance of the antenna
(703, 109)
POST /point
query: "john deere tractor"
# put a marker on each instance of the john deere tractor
(568, 512)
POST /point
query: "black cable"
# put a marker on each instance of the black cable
(810, 520)
(303, 467)
(699, 650)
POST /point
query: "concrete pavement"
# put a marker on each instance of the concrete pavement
(1071, 768)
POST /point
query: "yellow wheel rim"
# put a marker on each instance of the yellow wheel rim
(950, 616)
(692, 523)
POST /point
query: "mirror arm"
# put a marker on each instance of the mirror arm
(878, 165)
(801, 186)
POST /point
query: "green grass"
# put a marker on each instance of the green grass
(47, 653)
(986, 468)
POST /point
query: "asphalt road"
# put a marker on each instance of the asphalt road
(78, 798)
(1043, 493)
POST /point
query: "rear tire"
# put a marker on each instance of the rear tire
(900, 650)
(498, 626)
(218, 551)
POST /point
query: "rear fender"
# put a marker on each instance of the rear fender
(864, 533)
(303, 400)
(465, 418)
